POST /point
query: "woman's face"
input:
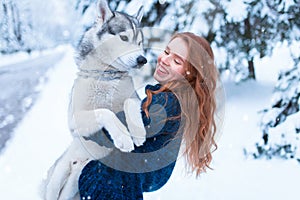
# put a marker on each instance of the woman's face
(171, 63)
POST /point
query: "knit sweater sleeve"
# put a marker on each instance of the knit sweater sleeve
(163, 121)
(163, 139)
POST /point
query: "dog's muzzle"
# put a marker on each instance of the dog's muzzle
(141, 60)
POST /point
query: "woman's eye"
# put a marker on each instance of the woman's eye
(177, 62)
(166, 52)
(124, 38)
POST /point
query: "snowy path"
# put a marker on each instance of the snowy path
(40, 138)
(20, 85)
(43, 135)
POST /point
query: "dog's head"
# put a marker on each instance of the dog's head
(115, 41)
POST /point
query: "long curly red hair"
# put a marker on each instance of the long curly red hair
(197, 99)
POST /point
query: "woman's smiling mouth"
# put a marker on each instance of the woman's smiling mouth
(162, 70)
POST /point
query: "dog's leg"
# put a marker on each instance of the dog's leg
(132, 110)
(70, 188)
(89, 151)
(63, 176)
(57, 175)
(89, 122)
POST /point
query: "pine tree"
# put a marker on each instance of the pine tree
(214, 16)
(280, 123)
(17, 32)
(252, 35)
(11, 39)
(255, 34)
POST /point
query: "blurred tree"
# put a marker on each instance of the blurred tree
(287, 14)
(214, 16)
(83, 5)
(13, 28)
(256, 33)
(26, 26)
(280, 122)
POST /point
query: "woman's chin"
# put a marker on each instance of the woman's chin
(161, 79)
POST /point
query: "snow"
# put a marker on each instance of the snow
(43, 135)
(267, 67)
(289, 126)
(232, 8)
(40, 138)
(23, 56)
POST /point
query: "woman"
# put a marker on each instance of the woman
(177, 111)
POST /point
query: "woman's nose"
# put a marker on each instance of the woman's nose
(165, 60)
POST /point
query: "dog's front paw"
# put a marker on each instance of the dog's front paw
(124, 143)
(118, 132)
(138, 141)
(120, 136)
(134, 121)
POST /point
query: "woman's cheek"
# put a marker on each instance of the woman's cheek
(159, 58)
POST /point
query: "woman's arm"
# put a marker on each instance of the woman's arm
(163, 140)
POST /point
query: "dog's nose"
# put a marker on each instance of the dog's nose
(141, 60)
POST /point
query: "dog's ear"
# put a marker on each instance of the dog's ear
(139, 14)
(104, 11)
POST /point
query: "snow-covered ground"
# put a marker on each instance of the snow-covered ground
(43, 135)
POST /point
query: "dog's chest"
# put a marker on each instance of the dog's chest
(109, 94)
(102, 94)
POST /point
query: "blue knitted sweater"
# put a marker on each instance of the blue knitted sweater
(125, 176)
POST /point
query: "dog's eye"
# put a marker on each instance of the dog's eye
(124, 38)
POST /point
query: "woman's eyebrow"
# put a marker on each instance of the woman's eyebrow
(178, 56)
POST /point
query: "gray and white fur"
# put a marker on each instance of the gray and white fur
(106, 53)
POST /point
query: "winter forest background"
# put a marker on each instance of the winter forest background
(242, 34)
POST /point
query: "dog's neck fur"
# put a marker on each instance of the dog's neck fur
(99, 71)
(108, 74)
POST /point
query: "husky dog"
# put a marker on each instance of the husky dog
(106, 53)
